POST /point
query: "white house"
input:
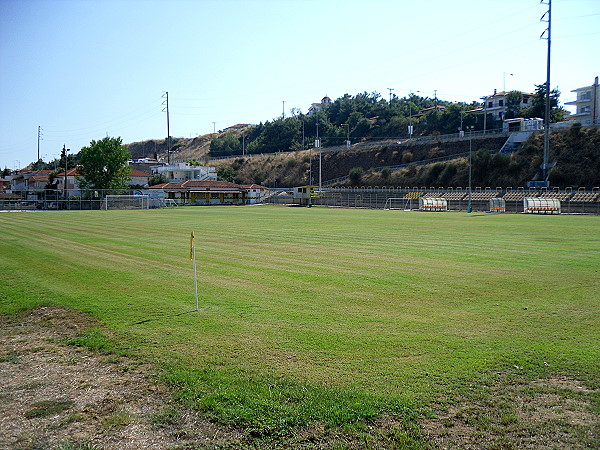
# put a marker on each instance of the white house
(496, 104)
(137, 178)
(179, 172)
(587, 104)
(255, 193)
(29, 180)
(314, 107)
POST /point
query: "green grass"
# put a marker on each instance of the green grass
(324, 315)
(48, 408)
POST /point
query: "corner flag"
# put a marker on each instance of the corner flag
(192, 246)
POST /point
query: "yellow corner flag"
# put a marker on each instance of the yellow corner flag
(192, 246)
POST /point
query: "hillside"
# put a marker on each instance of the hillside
(182, 149)
(576, 151)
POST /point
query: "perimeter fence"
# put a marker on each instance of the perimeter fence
(572, 201)
(580, 201)
(48, 199)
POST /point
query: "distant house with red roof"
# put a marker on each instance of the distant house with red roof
(137, 178)
(29, 180)
(210, 192)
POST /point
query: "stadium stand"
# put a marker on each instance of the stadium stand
(519, 195)
(561, 196)
(484, 195)
(584, 196)
(456, 196)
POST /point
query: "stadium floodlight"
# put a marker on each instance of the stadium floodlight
(469, 209)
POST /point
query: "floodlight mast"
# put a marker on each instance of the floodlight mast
(547, 110)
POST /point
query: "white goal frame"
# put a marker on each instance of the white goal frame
(139, 201)
(398, 203)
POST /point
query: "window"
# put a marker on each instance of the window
(500, 102)
(525, 100)
(490, 104)
(587, 95)
(586, 110)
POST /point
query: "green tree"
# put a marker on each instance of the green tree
(538, 104)
(103, 165)
(226, 144)
(158, 178)
(226, 173)
(513, 104)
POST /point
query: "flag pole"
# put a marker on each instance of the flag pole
(193, 258)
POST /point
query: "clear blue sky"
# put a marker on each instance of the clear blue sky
(84, 69)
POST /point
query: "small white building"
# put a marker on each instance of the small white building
(496, 104)
(314, 107)
(179, 172)
(587, 105)
(255, 193)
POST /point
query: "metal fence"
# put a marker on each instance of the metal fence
(572, 202)
(49, 199)
(457, 199)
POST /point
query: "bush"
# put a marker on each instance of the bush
(356, 175)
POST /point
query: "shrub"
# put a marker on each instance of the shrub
(356, 175)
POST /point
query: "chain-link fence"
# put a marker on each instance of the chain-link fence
(572, 202)
(49, 199)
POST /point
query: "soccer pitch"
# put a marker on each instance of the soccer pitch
(366, 310)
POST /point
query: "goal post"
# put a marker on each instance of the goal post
(126, 202)
(398, 203)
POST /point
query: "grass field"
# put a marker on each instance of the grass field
(322, 315)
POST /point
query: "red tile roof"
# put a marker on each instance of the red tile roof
(197, 185)
(70, 172)
(139, 173)
(133, 173)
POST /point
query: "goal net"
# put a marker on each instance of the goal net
(398, 203)
(126, 202)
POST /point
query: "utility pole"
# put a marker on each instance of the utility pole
(435, 95)
(64, 155)
(390, 89)
(504, 81)
(547, 114)
(469, 206)
(168, 128)
(214, 127)
(318, 144)
(484, 113)
(39, 138)
(283, 111)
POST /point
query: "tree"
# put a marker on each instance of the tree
(513, 104)
(158, 178)
(226, 173)
(226, 144)
(538, 104)
(103, 165)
